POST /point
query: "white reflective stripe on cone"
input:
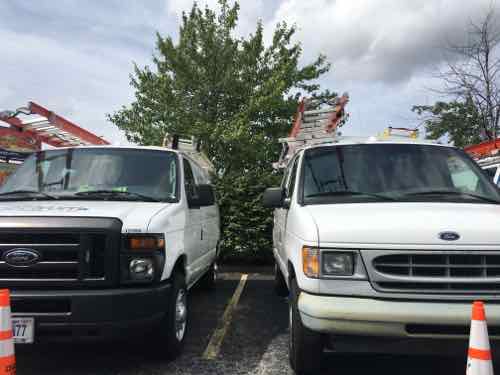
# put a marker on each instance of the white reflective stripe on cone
(479, 367)
(479, 335)
(5, 319)
(6, 348)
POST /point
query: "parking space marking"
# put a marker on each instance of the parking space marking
(213, 347)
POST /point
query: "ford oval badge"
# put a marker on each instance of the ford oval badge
(449, 236)
(21, 257)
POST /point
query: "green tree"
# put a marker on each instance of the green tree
(460, 122)
(238, 96)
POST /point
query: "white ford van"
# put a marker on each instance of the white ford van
(382, 245)
(99, 241)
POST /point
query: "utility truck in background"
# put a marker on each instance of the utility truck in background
(101, 241)
(380, 242)
(487, 155)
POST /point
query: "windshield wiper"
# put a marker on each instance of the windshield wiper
(452, 192)
(116, 194)
(350, 192)
(31, 194)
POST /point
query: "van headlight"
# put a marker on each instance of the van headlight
(142, 258)
(325, 263)
(141, 269)
(337, 264)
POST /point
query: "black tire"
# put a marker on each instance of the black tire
(209, 279)
(305, 346)
(280, 287)
(168, 333)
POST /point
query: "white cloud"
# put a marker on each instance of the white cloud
(77, 83)
(386, 40)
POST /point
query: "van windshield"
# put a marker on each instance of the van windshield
(96, 173)
(403, 172)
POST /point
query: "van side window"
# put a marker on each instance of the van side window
(200, 175)
(189, 182)
(291, 181)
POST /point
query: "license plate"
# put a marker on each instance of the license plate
(23, 330)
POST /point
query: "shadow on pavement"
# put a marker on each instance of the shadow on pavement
(129, 356)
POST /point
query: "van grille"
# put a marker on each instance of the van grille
(460, 272)
(73, 256)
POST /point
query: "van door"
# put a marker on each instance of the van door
(281, 216)
(210, 225)
(192, 232)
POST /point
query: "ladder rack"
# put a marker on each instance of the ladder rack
(47, 127)
(191, 147)
(313, 124)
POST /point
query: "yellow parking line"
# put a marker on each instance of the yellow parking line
(213, 347)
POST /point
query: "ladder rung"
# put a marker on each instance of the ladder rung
(315, 125)
(37, 124)
(314, 122)
(318, 112)
(316, 118)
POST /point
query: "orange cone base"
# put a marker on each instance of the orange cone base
(8, 365)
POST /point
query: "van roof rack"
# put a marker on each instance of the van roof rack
(190, 146)
(400, 133)
(48, 127)
(315, 122)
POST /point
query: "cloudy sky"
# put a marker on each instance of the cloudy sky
(75, 57)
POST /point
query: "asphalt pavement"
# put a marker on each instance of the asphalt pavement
(254, 342)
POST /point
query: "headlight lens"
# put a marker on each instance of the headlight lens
(141, 269)
(337, 264)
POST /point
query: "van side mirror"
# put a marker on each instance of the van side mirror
(205, 196)
(273, 198)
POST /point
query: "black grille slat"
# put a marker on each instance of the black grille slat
(441, 272)
(39, 238)
(45, 305)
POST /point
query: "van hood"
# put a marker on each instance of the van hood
(135, 216)
(407, 223)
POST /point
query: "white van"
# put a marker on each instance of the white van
(102, 241)
(382, 245)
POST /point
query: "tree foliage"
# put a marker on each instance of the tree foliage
(459, 121)
(237, 95)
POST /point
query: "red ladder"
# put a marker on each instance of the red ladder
(47, 127)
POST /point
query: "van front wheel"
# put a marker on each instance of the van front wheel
(305, 346)
(172, 331)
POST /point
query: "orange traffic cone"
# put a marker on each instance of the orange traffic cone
(479, 357)
(7, 357)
